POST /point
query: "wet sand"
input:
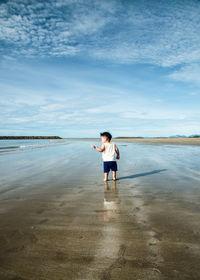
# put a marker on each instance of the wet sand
(172, 141)
(60, 221)
(156, 141)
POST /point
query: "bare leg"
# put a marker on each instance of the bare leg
(114, 175)
(106, 177)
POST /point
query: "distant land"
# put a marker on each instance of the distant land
(171, 140)
(175, 140)
(127, 137)
(115, 138)
(158, 137)
(28, 137)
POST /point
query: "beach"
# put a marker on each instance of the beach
(156, 140)
(60, 221)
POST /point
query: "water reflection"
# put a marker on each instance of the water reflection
(111, 201)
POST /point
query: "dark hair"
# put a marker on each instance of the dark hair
(107, 134)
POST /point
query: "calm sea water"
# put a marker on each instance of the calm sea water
(19, 145)
(175, 166)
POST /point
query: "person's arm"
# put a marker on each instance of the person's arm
(99, 149)
(117, 152)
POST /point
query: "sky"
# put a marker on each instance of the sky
(75, 68)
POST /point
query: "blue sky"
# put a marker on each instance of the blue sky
(74, 68)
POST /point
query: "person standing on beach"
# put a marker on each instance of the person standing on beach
(108, 150)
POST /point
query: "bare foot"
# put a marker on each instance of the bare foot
(105, 180)
(114, 179)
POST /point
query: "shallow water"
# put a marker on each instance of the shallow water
(176, 162)
(57, 215)
(21, 145)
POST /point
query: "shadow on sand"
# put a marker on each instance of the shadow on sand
(142, 174)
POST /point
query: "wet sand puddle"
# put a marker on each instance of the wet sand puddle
(48, 237)
(128, 247)
(83, 233)
(105, 233)
(61, 225)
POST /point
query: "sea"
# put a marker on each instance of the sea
(7, 146)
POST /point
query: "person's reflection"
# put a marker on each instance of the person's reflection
(111, 202)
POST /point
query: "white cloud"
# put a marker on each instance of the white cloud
(19, 119)
(69, 116)
(52, 107)
(154, 114)
(164, 33)
(194, 93)
(158, 100)
(49, 28)
(188, 73)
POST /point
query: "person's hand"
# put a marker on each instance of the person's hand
(117, 157)
(93, 147)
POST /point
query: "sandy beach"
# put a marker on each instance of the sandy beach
(156, 141)
(60, 221)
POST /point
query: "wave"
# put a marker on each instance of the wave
(29, 145)
(9, 147)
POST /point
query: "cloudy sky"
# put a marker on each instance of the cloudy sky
(74, 68)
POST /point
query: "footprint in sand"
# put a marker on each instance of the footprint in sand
(62, 203)
(60, 256)
(158, 235)
(18, 240)
(137, 208)
(40, 211)
(18, 278)
(15, 249)
(122, 250)
(43, 221)
(80, 191)
(118, 263)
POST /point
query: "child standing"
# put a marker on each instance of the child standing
(108, 151)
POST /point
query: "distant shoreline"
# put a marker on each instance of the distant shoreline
(162, 140)
(142, 140)
(156, 140)
(28, 137)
